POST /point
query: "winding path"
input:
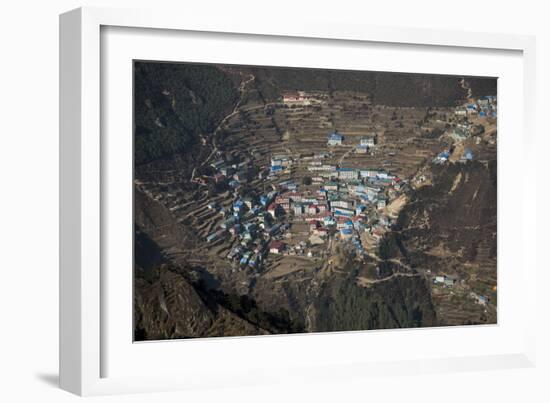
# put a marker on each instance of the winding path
(394, 275)
(242, 89)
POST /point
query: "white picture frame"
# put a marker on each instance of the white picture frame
(82, 172)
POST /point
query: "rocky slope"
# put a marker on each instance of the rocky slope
(171, 308)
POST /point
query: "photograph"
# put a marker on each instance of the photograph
(279, 200)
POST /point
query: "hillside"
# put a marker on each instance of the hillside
(174, 301)
(400, 302)
(171, 308)
(392, 89)
(175, 105)
(450, 229)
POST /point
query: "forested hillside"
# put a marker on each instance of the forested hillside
(174, 104)
(396, 303)
(392, 89)
(481, 86)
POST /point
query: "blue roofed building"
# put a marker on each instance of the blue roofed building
(265, 200)
(335, 139)
(442, 157)
(238, 206)
(472, 109)
(346, 233)
(343, 212)
(467, 156)
(244, 259)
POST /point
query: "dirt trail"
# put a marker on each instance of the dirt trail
(465, 86)
(242, 89)
(365, 282)
(456, 182)
(341, 160)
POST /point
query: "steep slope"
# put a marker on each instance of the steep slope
(399, 302)
(173, 301)
(171, 308)
(175, 105)
(450, 229)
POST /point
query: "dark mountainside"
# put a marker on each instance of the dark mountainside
(173, 302)
(481, 86)
(463, 216)
(177, 109)
(397, 303)
(170, 307)
(392, 89)
(457, 216)
(175, 105)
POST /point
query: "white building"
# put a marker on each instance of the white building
(297, 98)
(368, 173)
(461, 112)
(368, 141)
(341, 203)
(347, 174)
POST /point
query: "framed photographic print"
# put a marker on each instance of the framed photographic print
(252, 195)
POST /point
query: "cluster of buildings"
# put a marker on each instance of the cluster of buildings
(366, 143)
(345, 174)
(479, 299)
(251, 222)
(233, 173)
(346, 201)
(483, 107)
(303, 98)
(444, 281)
(279, 164)
(344, 204)
(340, 203)
(460, 132)
(444, 156)
(448, 282)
